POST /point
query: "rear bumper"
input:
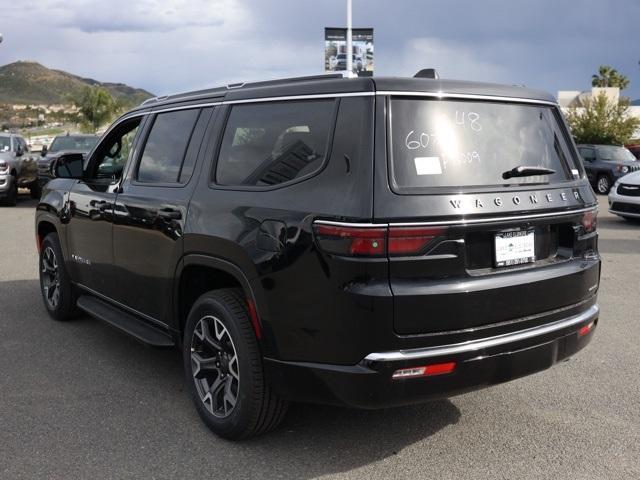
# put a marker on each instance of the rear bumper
(479, 363)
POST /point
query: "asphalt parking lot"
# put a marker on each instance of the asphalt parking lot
(80, 400)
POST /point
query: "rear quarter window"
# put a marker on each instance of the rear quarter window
(273, 143)
(452, 144)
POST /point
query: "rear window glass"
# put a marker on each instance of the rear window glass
(446, 143)
(274, 142)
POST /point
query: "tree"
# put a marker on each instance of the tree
(602, 121)
(96, 105)
(609, 77)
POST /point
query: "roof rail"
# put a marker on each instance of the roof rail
(279, 81)
(220, 91)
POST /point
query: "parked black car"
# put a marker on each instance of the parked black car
(361, 242)
(63, 144)
(606, 163)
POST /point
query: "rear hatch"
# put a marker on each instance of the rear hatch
(475, 245)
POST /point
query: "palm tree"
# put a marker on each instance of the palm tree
(609, 77)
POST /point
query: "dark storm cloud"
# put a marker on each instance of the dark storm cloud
(174, 45)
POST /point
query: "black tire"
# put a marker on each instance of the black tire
(257, 409)
(603, 184)
(12, 198)
(64, 306)
(35, 190)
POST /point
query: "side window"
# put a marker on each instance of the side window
(166, 146)
(111, 155)
(604, 154)
(274, 142)
(587, 154)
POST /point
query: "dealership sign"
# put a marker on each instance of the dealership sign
(335, 50)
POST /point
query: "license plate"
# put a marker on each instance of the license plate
(515, 248)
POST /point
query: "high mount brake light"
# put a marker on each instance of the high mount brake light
(374, 241)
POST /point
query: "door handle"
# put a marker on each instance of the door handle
(170, 214)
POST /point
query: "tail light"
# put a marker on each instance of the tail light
(375, 240)
(590, 221)
(352, 241)
(411, 240)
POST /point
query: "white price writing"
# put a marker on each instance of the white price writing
(464, 158)
(420, 140)
(469, 119)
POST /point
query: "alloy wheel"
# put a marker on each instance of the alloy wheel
(50, 277)
(214, 365)
(603, 185)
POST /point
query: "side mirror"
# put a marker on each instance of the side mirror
(44, 151)
(68, 166)
(19, 152)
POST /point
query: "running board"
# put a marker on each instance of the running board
(125, 322)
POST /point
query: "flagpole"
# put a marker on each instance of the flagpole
(349, 40)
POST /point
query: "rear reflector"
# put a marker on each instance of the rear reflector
(426, 371)
(586, 329)
(375, 241)
(590, 221)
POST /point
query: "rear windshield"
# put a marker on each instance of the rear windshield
(449, 143)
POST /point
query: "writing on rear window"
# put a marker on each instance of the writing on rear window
(474, 143)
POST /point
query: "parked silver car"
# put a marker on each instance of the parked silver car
(18, 169)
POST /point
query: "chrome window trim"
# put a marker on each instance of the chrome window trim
(475, 345)
(460, 222)
(186, 107)
(466, 96)
(257, 100)
(440, 95)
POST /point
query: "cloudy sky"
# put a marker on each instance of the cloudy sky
(175, 45)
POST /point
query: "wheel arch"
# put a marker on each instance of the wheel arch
(43, 228)
(197, 274)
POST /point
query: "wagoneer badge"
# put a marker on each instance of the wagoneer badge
(533, 199)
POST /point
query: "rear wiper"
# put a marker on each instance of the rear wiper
(526, 171)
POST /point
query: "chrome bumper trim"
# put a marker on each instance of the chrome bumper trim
(474, 345)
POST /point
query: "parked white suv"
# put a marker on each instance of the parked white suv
(624, 197)
(17, 168)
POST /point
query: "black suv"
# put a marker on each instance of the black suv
(605, 164)
(360, 242)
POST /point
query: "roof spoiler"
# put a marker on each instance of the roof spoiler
(427, 73)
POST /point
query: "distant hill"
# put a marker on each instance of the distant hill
(635, 102)
(30, 82)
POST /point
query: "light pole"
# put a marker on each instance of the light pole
(349, 40)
